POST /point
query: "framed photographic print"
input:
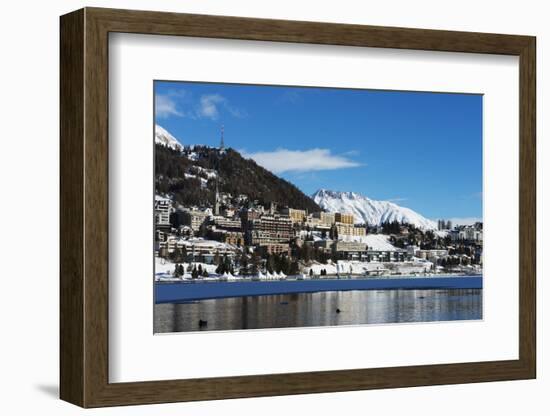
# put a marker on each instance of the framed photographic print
(260, 207)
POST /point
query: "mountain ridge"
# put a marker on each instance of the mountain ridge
(369, 211)
(162, 136)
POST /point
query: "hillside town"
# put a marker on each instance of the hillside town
(234, 237)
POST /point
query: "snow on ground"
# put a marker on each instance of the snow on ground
(194, 156)
(165, 138)
(204, 182)
(377, 242)
(209, 173)
(165, 268)
(345, 267)
(373, 267)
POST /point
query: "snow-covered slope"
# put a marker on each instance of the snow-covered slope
(163, 137)
(369, 211)
(378, 242)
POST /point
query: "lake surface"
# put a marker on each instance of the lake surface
(357, 307)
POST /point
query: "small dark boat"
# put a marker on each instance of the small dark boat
(202, 323)
(338, 310)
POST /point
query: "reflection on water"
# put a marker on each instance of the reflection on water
(320, 309)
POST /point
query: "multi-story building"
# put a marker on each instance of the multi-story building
(269, 229)
(467, 233)
(224, 223)
(350, 230)
(350, 250)
(397, 255)
(195, 219)
(344, 218)
(444, 225)
(315, 224)
(163, 208)
(235, 238)
(274, 248)
(198, 249)
(295, 215)
(431, 255)
(250, 214)
(325, 218)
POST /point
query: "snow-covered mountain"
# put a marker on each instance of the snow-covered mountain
(163, 137)
(369, 211)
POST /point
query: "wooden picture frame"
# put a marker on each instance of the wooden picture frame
(84, 207)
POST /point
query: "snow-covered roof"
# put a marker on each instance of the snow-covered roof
(162, 198)
(201, 242)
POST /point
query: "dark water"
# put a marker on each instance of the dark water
(320, 309)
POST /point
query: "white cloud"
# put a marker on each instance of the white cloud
(284, 160)
(180, 103)
(210, 105)
(165, 106)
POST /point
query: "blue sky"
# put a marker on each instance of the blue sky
(421, 150)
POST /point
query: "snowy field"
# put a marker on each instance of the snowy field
(164, 270)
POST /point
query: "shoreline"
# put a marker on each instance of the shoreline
(185, 291)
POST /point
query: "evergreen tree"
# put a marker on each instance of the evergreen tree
(176, 255)
(294, 268)
(306, 253)
(270, 263)
(256, 263)
(184, 253)
(227, 266)
(243, 262)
